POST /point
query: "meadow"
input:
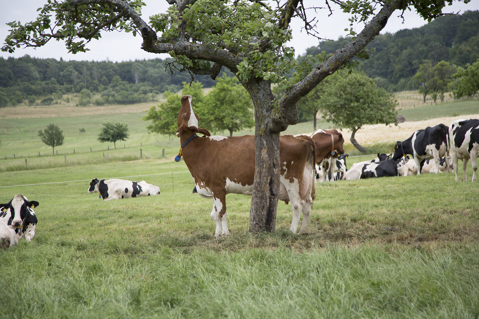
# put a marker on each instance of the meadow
(382, 248)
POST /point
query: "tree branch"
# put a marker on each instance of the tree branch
(339, 58)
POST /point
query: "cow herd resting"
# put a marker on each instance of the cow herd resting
(212, 162)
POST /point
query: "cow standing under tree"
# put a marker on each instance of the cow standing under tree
(212, 162)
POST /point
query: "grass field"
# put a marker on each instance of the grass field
(404, 247)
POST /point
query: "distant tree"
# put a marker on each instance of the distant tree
(112, 132)
(229, 106)
(351, 101)
(52, 136)
(82, 130)
(424, 76)
(467, 80)
(47, 101)
(163, 116)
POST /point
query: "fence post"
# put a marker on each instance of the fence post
(141, 153)
(73, 151)
(65, 158)
(26, 163)
(163, 153)
(90, 150)
(108, 147)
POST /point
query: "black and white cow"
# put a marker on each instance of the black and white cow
(337, 171)
(19, 215)
(381, 157)
(464, 145)
(368, 169)
(383, 169)
(8, 237)
(430, 143)
(120, 188)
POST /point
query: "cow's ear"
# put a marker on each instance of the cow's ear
(33, 204)
(204, 131)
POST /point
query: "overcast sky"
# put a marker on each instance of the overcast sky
(120, 46)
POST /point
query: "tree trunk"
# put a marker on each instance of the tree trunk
(231, 133)
(264, 200)
(314, 119)
(355, 143)
(114, 145)
(53, 150)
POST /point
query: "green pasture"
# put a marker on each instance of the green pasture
(399, 247)
(403, 247)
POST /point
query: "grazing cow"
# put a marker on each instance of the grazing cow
(212, 162)
(19, 214)
(464, 145)
(432, 142)
(8, 237)
(120, 188)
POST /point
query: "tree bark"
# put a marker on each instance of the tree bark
(264, 200)
(356, 144)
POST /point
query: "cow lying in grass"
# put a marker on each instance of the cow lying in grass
(18, 215)
(120, 188)
(8, 237)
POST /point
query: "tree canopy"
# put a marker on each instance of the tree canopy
(353, 100)
(52, 136)
(247, 37)
(467, 80)
(113, 132)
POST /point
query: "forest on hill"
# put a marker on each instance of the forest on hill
(395, 59)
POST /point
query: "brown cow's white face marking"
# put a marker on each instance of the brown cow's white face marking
(193, 121)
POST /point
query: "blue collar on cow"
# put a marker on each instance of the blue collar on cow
(180, 153)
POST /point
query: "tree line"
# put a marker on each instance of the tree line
(43, 81)
(394, 59)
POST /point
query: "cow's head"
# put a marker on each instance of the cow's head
(18, 211)
(93, 188)
(338, 145)
(187, 119)
(398, 151)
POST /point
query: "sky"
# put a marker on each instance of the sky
(121, 46)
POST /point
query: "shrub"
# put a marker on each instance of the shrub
(47, 101)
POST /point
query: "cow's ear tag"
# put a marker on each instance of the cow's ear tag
(4, 210)
(99, 195)
(177, 158)
(33, 206)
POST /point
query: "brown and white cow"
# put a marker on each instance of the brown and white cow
(329, 145)
(213, 164)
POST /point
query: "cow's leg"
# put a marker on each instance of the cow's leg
(296, 204)
(464, 168)
(306, 211)
(435, 154)
(418, 165)
(219, 214)
(474, 164)
(455, 166)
